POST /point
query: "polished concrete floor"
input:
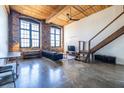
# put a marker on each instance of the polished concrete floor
(43, 73)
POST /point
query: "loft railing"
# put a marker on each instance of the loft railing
(89, 42)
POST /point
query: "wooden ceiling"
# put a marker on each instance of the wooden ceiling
(57, 14)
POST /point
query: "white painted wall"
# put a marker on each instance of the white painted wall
(86, 28)
(3, 31)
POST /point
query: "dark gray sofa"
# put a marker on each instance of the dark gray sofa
(52, 55)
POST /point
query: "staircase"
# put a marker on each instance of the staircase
(83, 55)
(107, 40)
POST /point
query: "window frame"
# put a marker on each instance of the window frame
(30, 32)
(55, 37)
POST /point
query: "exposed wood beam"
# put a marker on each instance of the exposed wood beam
(57, 12)
(7, 8)
(80, 9)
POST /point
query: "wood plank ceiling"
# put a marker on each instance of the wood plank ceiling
(57, 14)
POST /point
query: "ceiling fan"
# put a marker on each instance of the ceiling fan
(69, 17)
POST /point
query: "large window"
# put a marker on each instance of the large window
(55, 37)
(30, 34)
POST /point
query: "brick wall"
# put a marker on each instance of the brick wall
(45, 36)
(14, 34)
(14, 31)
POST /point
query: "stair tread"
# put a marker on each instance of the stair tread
(81, 58)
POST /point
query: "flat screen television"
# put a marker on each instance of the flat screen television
(71, 48)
